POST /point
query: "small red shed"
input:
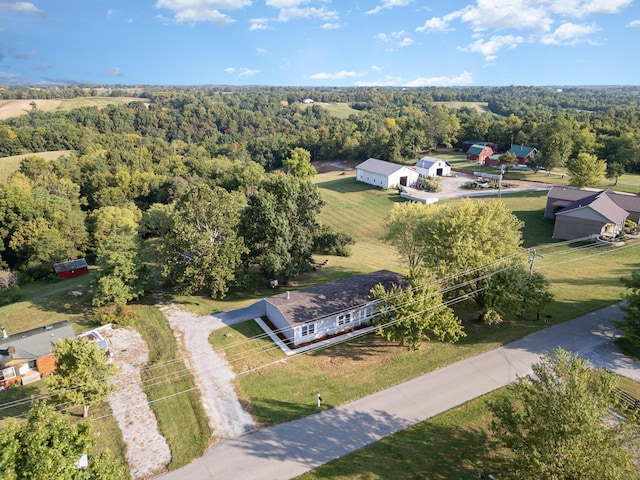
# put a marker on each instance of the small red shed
(72, 268)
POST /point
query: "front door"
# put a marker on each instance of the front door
(403, 181)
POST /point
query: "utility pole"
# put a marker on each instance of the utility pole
(532, 258)
(500, 181)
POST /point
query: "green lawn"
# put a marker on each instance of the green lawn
(49, 301)
(480, 107)
(181, 417)
(339, 110)
(8, 165)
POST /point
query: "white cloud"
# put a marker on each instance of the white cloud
(490, 48)
(114, 72)
(383, 37)
(376, 68)
(438, 25)
(11, 78)
(331, 26)
(261, 51)
(194, 11)
(259, 24)
(248, 72)
(287, 14)
(229, 69)
(389, 4)
(112, 13)
(27, 8)
(43, 66)
(405, 42)
(342, 74)
(634, 23)
(569, 34)
(386, 81)
(465, 78)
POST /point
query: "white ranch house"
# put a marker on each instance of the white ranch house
(433, 167)
(386, 174)
(327, 310)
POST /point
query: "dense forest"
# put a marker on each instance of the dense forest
(139, 168)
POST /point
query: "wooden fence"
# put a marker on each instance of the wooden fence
(632, 402)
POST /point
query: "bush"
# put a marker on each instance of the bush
(331, 242)
(120, 317)
(9, 296)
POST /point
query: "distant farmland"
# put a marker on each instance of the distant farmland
(480, 107)
(8, 165)
(15, 108)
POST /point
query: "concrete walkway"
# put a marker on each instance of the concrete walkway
(287, 450)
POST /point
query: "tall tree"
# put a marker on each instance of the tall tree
(614, 171)
(298, 163)
(508, 159)
(411, 314)
(463, 244)
(279, 226)
(48, 445)
(557, 423)
(203, 250)
(123, 276)
(83, 373)
(586, 170)
(404, 229)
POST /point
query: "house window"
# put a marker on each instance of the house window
(308, 329)
(7, 374)
(368, 312)
(344, 318)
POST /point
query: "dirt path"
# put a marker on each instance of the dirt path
(147, 450)
(227, 418)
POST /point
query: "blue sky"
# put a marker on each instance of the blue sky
(321, 42)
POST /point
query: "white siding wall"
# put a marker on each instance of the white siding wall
(279, 321)
(372, 178)
(332, 325)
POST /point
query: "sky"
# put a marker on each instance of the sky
(321, 42)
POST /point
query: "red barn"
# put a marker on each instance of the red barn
(479, 153)
(72, 268)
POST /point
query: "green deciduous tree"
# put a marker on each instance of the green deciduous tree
(557, 424)
(404, 229)
(123, 276)
(614, 171)
(202, 249)
(586, 170)
(298, 163)
(83, 375)
(630, 325)
(47, 446)
(411, 314)
(279, 226)
(468, 239)
(508, 159)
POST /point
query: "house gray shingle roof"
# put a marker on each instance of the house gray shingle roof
(34, 343)
(331, 298)
(629, 203)
(70, 265)
(380, 167)
(601, 203)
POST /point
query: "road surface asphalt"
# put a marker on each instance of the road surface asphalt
(290, 449)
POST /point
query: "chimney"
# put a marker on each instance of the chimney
(4, 332)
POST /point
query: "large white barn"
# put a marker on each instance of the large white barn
(386, 174)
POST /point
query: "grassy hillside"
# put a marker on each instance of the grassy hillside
(339, 110)
(8, 165)
(480, 107)
(15, 108)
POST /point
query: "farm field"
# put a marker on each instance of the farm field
(8, 165)
(16, 108)
(339, 110)
(480, 107)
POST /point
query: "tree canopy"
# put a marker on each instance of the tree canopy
(83, 373)
(556, 423)
(411, 314)
(586, 170)
(48, 445)
(630, 325)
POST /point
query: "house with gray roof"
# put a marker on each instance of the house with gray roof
(26, 356)
(581, 213)
(327, 310)
(386, 174)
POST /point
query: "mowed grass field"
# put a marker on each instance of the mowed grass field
(16, 108)
(480, 107)
(583, 279)
(339, 110)
(8, 165)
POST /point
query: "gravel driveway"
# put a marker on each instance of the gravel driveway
(227, 418)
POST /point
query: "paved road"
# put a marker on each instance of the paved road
(290, 449)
